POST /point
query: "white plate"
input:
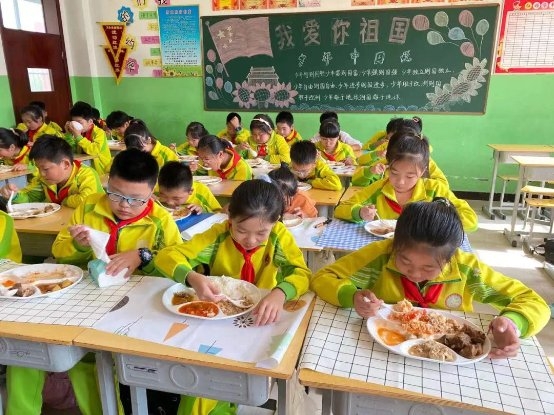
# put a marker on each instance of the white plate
(40, 274)
(188, 158)
(207, 179)
(33, 210)
(304, 186)
(374, 226)
(292, 221)
(375, 323)
(335, 163)
(256, 162)
(232, 287)
(180, 213)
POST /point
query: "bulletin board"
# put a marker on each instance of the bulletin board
(409, 59)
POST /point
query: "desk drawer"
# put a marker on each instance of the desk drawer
(50, 357)
(208, 382)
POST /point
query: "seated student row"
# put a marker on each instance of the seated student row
(423, 264)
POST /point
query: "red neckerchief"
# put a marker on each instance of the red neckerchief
(329, 157)
(394, 205)
(412, 293)
(262, 150)
(111, 247)
(291, 136)
(31, 135)
(62, 193)
(88, 134)
(22, 154)
(247, 273)
(236, 158)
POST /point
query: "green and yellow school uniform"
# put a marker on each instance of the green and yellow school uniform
(236, 169)
(51, 126)
(186, 149)
(324, 177)
(241, 137)
(82, 182)
(464, 280)
(276, 149)
(203, 196)
(372, 143)
(9, 242)
(293, 137)
(382, 195)
(93, 143)
(163, 154)
(341, 153)
(49, 129)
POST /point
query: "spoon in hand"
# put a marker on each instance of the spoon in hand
(9, 206)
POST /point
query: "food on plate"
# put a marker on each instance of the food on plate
(390, 337)
(50, 288)
(468, 344)
(425, 323)
(48, 208)
(8, 283)
(383, 230)
(49, 275)
(230, 309)
(23, 290)
(183, 297)
(432, 350)
(200, 309)
(180, 212)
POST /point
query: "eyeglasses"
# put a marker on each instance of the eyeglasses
(301, 173)
(131, 201)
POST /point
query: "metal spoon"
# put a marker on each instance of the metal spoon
(9, 206)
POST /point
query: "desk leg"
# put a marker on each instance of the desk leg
(283, 397)
(139, 404)
(326, 401)
(511, 235)
(104, 367)
(488, 209)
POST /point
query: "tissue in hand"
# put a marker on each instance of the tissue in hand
(97, 267)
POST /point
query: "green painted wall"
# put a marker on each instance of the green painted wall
(6, 105)
(519, 110)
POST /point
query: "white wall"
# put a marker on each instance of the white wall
(3, 70)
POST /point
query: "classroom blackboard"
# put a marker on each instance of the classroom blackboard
(435, 59)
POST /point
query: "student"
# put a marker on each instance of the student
(138, 136)
(296, 202)
(344, 136)
(34, 124)
(177, 189)
(308, 167)
(284, 123)
(424, 264)
(264, 143)
(408, 161)
(381, 138)
(9, 242)
(89, 138)
(194, 132)
(330, 147)
(233, 132)
(219, 156)
(99, 121)
(14, 150)
(117, 122)
(60, 179)
(51, 124)
(253, 246)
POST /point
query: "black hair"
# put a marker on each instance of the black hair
(418, 121)
(213, 144)
(39, 104)
(406, 145)
(285, 180)
(14, 137)
(329, 129)
(435, 224)
(232, 115)
(303, 152)
(393, 125)
(286, 117)
(51, 148)
(328, 115)
(397, 124)
(196, 130)
(116, 119)
(34, 111)
(175, 175)
(83, 110)
(136, 166)
(256, 199)
(95, 114)
(136, 134)
(262, 122)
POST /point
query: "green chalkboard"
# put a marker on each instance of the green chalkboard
(392, 60)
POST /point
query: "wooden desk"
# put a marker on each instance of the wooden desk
(116, 146)
(359, 376)
(530, 168)
(225, 188)
(502, 153)
(36, 235)
(84, 158)
(351, 191)
(325, 200)
(19, 178)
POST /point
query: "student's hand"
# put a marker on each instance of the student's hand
(193, 165)
(20, 167)
(367, 212)
(119, 262)
(205, 289)
(71, 129)
(173, 146)
(268, 310)
(378, 168)
(195, 209)
(366, 303)
(225, 209)
(349, 161)
(7, 190)
(297, 211)
(80, 235)
(242, 146)
(355, 147)
(505, 338)
(382, 154)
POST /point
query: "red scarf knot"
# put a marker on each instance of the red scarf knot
(247, 272)
(24, 151)
(329, 157)
(60, 195)
(262, 150)
(236, 158)
(412, 292)
(394, 205)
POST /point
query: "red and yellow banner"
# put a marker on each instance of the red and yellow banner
(115, 50)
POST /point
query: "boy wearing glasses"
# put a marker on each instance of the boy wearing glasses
(308, 167)
(61, 179)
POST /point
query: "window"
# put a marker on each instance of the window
(40, 79)
(23, 15)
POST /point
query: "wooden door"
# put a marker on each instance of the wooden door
(35, 62)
